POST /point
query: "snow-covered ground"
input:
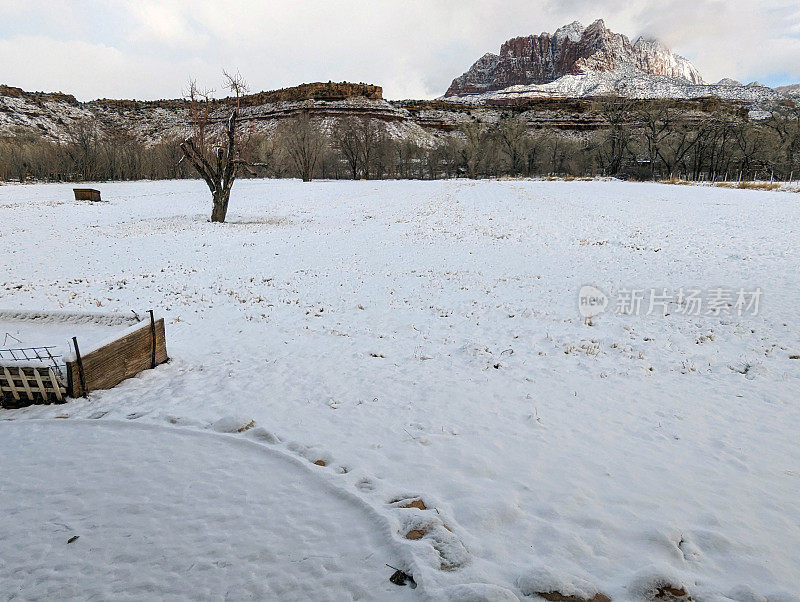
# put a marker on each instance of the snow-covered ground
(423, 340)
(161, 514)
(55, 330)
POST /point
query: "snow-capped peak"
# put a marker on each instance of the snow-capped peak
(573, 50)
(573, 32)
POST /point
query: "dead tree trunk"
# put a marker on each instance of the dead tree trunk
(219, 177)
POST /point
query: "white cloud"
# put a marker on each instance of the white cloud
(90, 70)
(165, 24)
(146, 49)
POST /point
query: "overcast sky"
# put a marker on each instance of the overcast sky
(147, 49)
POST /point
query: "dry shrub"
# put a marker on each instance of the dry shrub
(758, 186)
(676, 181)
(749, 185)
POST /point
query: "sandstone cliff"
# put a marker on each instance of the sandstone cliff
(571, 50)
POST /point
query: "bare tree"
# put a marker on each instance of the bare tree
(83, 147)
(511, 135)
(784, 120)
(720, 156)
(555, 150)
(655, 123)
(347, 141)
(474, 147)
(217, 166)
(304, 144)
(271, 155)
(362, 143)
(534, 143)
(372, 136)
(236, 84)
(408, 157)
(614, 142)
(751, 144)
(444, 158)
(200, 101)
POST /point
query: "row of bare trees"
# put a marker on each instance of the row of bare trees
(652, 143)
(87, 155)
(643, 142)
(660, 140)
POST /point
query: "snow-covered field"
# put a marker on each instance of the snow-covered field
(422, 340)
(164, 514)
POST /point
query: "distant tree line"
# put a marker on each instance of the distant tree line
(652, 140)
(87, 156)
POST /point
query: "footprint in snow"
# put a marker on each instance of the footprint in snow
(421, 524)
(451, 553)
(366, 485)
(412, 501)
(261, 434)
(233, 424)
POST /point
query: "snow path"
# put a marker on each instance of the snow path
(175, 514)
(371, 325)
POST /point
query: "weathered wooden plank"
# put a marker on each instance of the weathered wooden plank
(39, 383)
(109, 365)
(10, 386)
(24, 382)
(57, 386)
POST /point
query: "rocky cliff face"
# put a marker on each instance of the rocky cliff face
(571, 50)
(60, 117)
(54, 115)
(790, 90)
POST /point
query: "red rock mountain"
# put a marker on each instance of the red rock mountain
(571, 50)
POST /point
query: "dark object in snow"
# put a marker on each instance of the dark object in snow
(559, 597)
(87, 194)
(411, 503)
(672, 594)
(400, 578)
(73, 538)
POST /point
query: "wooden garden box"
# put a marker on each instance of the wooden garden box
(35, 375)
(86, 194)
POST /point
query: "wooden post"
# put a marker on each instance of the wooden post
(80, 367)
(153, 335)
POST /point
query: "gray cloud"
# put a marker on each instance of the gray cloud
(147, 48)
